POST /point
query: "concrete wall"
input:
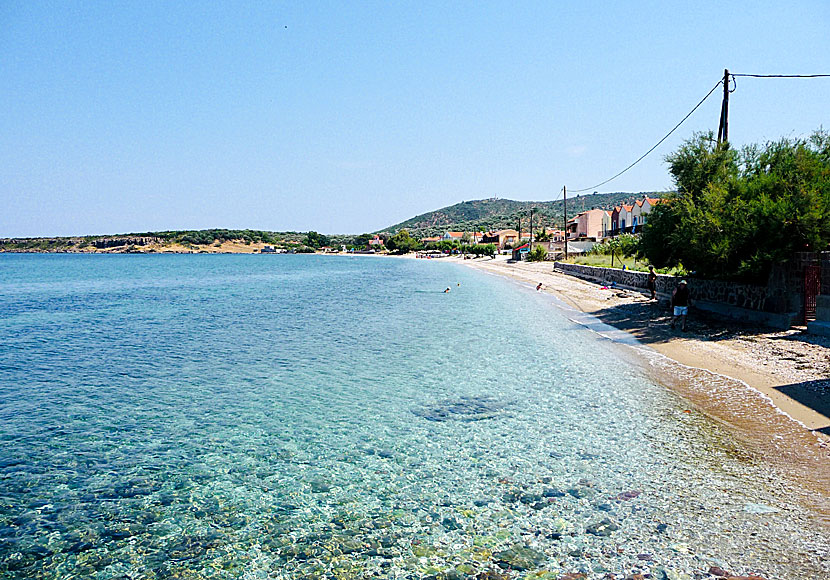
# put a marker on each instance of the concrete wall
(821, 325)
(744, 302)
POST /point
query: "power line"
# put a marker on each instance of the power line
(644, 155)
(779, 76)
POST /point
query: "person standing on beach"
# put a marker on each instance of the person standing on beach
(652, 283)
(680, 303)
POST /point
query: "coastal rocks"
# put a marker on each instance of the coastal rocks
(462, 409)
(602, 528)
(519, 557)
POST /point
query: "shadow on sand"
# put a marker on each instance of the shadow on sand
(650, 322)
(812, 394)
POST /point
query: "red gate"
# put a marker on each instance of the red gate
(812, 288)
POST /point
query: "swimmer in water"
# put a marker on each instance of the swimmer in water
(446, 291)
(539, 287)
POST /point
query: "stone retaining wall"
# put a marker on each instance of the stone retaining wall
(767, 305)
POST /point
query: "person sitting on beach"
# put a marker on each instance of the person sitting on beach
(652, 283)
(539, 287)
(680, 303)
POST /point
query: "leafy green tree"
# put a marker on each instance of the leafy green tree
(402, 243)
(736, 214)
(362, 240)
(315, 240)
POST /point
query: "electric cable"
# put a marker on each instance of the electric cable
(644, 155)
(778, 76)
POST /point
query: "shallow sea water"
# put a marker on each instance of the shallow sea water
(341, 417)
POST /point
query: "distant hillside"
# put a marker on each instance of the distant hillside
(214, 240)
(495, 214)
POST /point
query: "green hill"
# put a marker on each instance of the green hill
(495, 213)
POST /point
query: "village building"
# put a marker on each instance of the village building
(501, 238)
(627, 219)
(592, 224)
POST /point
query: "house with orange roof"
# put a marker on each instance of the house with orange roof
(592, 224)
(501, 238)
(629, 218)
(647, 205)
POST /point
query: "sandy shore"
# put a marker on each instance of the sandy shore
(771, 387)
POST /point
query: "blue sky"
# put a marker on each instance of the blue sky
(348, 117)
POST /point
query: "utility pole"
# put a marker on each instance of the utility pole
(519, 234)
(565, 206)
(531, 230)
(723, 126)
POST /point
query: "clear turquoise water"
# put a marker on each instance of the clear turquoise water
(340, 417)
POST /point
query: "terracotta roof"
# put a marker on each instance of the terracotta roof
(628, 207)
(654, 200)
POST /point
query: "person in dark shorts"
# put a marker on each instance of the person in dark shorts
(652, 283)
(680, 304)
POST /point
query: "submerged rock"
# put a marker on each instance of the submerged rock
(520, 557)
(661, 573)
(759, 508)
(319, 486)
(492, 574)
(451, 524)
(602, 528)
(530, 498)
(462, 409)
(580, 492)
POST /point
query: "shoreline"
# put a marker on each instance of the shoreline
(718, 375)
